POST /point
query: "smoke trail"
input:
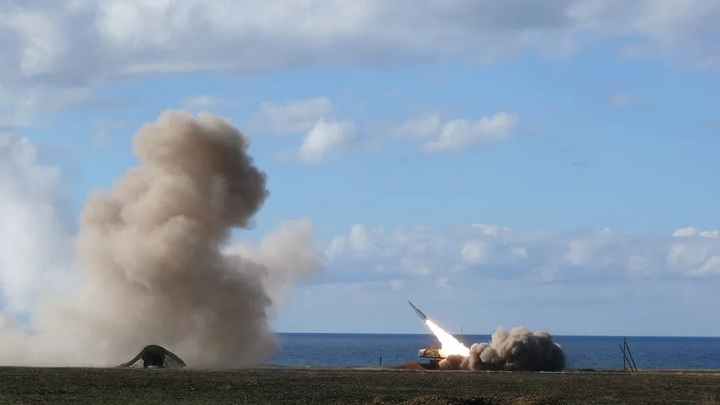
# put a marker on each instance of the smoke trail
(519, 350)
(153, 267)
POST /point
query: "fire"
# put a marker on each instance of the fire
(449, 345)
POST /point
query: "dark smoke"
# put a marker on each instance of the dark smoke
(153, 260)
(519, 350)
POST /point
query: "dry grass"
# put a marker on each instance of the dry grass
(352, 386)
(708, 399)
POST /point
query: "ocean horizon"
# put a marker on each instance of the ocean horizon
(302, 349)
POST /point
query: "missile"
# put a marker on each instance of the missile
(419, 312)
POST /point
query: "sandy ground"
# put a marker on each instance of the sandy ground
(353, 386)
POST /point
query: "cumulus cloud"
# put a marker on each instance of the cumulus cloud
(440, 135)
(586, 282)
(137, 36)
(49, 46)
(692, 231)
(324, 138)
(33, 237)
(327, 140)
(683, 29)
(474, 251)
(695, 252)
(38, 40)
(500, 252)
(293, 116)
(381, 253)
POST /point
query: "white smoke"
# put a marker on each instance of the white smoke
(153, 265)
(518, 350)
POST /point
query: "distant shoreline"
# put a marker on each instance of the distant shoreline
(487, 334)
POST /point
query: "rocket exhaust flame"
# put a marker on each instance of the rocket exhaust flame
(449, 345)
(517, 350)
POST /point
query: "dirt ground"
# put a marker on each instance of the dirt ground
(353, 386)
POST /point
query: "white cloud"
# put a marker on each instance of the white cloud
(680, 29)
(327, 140)
(421, 127)
(203, 102)
(397, 251)
(360, 238)
(695, 252)
(34, 244)
(492, 230)
(292, 117)
(135, 32)
(692, 231)
(141, 25)
(439, 135)
(711, 267)
(39, 38)
(73, 44)
(456, 134)
(484, 276)
(28, 104)
(397, 284)
(474, 252)
(583, 251)
(324, 138)
(103, 131)
(519, 252)
(505, 252)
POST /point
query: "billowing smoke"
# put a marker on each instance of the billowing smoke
(153, 262)
(518, 350)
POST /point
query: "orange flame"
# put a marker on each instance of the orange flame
(449, 345)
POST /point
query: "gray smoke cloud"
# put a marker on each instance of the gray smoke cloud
(153, 265)
(517, 350)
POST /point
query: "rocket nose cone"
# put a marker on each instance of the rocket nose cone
(418, 311)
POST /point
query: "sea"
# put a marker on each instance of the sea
(581, 352)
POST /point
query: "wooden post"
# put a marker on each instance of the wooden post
(625, 352)
(634, 366)
(628, 360)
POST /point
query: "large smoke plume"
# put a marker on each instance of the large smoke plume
(152, 262)
(518, 350)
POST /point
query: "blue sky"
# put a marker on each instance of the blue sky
(555, 165)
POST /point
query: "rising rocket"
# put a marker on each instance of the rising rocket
(419, 312)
